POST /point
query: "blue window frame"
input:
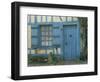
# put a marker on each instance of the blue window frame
(46, 35)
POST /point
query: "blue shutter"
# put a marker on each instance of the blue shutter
(56, 36)
(34, 37)
(34, 32)
(34, 41)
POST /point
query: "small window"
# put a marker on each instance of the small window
(46, 35)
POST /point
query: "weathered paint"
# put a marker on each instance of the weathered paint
(71, 39)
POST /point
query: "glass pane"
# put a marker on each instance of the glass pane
(43, 38)
(46, 33)
(42, 28)
(43, 43)
(50, 28)
(46, 43)
(43, 33)
(46, 28)
(47, 38)
(50, 33)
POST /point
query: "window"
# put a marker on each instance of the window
(46, 35)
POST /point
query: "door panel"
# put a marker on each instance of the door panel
(70, 42)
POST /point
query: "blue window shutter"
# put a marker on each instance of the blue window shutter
(34, 41)
(34, 32)
(56, 36)
(35, 36)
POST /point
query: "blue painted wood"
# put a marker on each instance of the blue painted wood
(71, 42)
(56, 36)
(35, 37)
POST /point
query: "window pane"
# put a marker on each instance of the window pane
(43, 43)
(46, 28)
(46, 33)
(43, 38)
(47, 38)
(46, 43)
(50, 43)
(42, 28)
(43, 33)
(50, 33)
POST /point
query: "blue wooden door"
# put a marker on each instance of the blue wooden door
(71, 42)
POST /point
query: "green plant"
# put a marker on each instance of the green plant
(51, 58)
(37, 59)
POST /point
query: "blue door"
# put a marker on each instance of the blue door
(71, 42)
